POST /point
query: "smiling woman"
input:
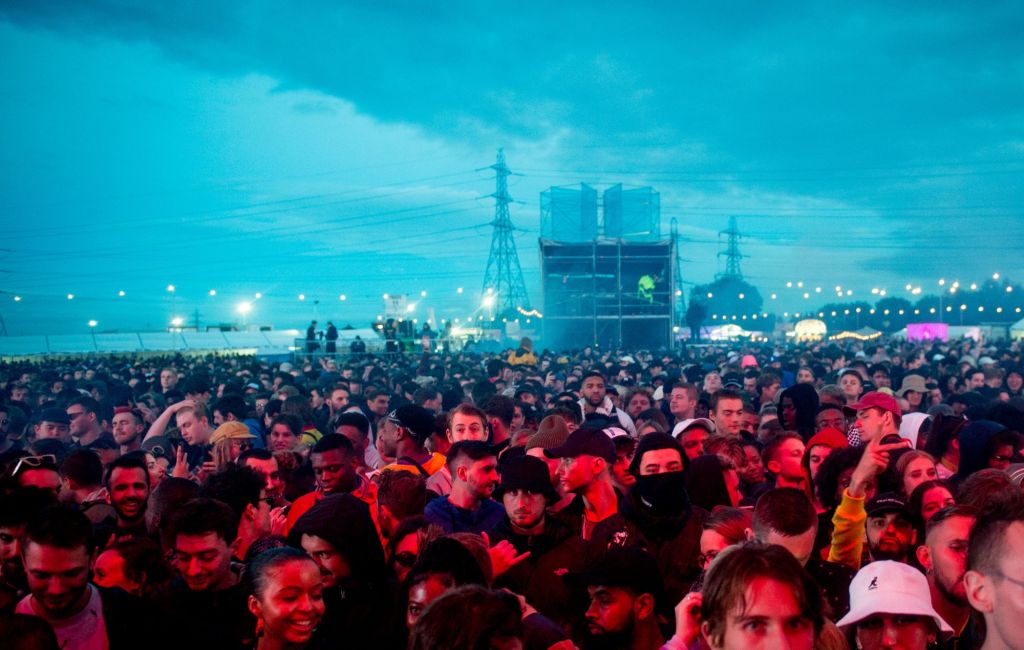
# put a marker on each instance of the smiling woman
(287, 598)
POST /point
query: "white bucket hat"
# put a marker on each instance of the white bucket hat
(887, 587)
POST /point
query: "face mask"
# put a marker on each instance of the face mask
(664, 494)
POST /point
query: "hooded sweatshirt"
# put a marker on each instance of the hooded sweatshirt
(974, 439)
(805, 399)
(358, 608)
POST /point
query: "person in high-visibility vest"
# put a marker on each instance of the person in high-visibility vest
(645, 288)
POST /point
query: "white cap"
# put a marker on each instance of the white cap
(685, 425)
(659, 393)
(887, 587)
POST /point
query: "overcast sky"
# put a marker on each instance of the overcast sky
(324, 149)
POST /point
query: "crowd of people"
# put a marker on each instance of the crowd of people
(806, 494)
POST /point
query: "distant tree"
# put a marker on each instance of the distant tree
(696, 314)
(892, 313)
(729, 297)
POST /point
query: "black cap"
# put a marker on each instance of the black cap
(630, 567)
(56, 415)
(888, 502)
(590, 442)
(414, 418)
(526, 473)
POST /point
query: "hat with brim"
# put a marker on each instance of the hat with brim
(912, 383)
(887, 587)
(233, 430)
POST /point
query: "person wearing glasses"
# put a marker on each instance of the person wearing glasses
(994, 579)
(84, 414)
(38, 472)
(244, 491)
(229, 440)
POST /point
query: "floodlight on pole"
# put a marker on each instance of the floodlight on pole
(243, 309)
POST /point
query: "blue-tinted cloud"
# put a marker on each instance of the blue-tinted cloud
(242, 141)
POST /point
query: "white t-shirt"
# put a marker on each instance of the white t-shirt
(85, 630)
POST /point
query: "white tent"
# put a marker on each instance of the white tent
(1017, 330)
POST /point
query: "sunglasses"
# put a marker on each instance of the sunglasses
(34, 462)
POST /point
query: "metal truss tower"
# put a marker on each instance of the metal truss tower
(677, 274)
(732, 252)
(504, 276)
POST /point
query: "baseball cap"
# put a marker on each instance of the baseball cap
(414, 418)
(56, 415)
(685, 425)
(630, 567)
(590, 442)
(875, 399)
(616, 432)
(888, 587)
(526, 473)
(160, 446)
(888, 502)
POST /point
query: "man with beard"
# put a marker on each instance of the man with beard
(847, 543)
(58, 549)
(469, 508)
(526, 491)
(660, 508)
(128, 427)
(128, 486)
(625, 596)
(595, 400)
(339, 534)
(890, 528)
(944, 558)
